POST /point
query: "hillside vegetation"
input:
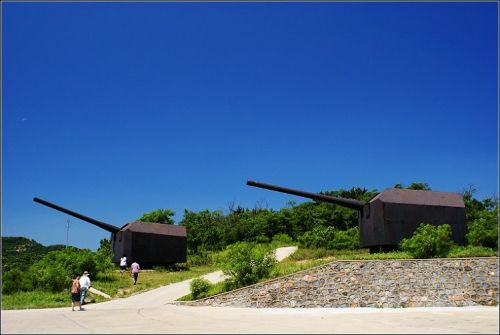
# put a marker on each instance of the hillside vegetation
(21, 252)
(238, 242)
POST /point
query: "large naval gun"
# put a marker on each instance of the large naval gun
(395, 214)
(145, 242)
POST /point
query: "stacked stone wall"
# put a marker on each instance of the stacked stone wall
(389, 283)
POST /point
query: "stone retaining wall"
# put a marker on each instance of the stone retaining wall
(391, 283)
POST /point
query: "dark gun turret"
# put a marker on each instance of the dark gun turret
(100, 224)
(147, 243)
(395, 214)
(350, 203)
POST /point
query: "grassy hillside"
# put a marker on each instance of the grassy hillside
(21, 252)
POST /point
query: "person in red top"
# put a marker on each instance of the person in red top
(134, 269)
(75, 293)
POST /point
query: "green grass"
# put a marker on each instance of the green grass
(120, 285)
(332, 255)
(214, 290)
(471, 251)
(35, 299)
(114, 283)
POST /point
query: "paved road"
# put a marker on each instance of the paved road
(150, 312)
(166, 294)
(222, 320)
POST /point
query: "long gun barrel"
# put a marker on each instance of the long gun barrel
(100, 224)
(350, 203)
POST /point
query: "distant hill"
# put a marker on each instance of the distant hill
(21, 252)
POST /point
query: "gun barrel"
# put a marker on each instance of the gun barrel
(100, 224)
(350, 203)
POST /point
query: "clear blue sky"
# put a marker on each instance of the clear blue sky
(116, 109)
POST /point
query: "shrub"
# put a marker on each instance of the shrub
(201, 257)
(330, 238)
(282, 239)
(304, 254)
(471, 251)
(103, 256)
(262, 239)
(318, 237)
(345, 239)
(428, 241)
(15, 280)
(483, 231)
(199, 287)
(246, 262)
(55, 270)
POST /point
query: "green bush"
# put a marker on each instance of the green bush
(199, 287)
(471, 251)
(16, 280)
(345, 239)
(428, 241)
(330, 238)
(305, 254)
(103, 256)
(318, 237)
(262, 239)
(246, 262)
(282, 239)
(54, 271)
(483, 231)
(202, 257)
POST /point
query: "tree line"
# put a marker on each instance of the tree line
(314, 224)
(29, 266)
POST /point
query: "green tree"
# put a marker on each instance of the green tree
(159, 216)
(246, 262)
(473, 207)
(419, 186)
(429, 241)
(204, 229)
(331, 238)
(414, 186)
(16, 280)
(55, 270)
(199, 287)
(318, 237)
(104, 255)
(483, 231)
(345, 239)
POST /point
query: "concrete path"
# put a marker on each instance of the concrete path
(150, 312)
(166, 294)
(171, 319)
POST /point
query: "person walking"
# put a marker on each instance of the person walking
(84, 286)
(123, 263)
(75, 293)
(134, 269)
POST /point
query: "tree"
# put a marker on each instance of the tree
(104, 255)
(419, 186)
(246, 262)
(55, 270)
(159, 216)
(483, 231)
(428, 241)
(199, 287)
(414, 186)
(474, 207)
(204, 229)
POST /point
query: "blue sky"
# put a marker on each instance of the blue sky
(117, 109)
